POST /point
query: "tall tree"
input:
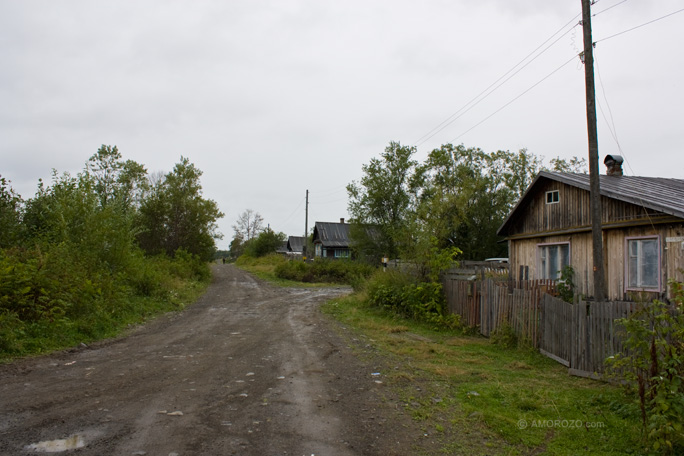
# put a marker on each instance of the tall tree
(175, 215)
(265, 243)
(469, 193)
(458, 197)
(384, 199)
(248, 225)
(116, 180)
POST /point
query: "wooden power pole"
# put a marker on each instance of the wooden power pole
(595, 186)
(306, 224)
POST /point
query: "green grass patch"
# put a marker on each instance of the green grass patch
(296, 273)
(477, 397)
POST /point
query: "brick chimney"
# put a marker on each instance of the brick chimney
(342, 220)
(614, 165)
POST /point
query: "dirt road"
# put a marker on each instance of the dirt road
(250, 369)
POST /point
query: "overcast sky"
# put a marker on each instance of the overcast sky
(270, 98)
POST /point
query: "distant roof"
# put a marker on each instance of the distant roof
(332, 234)
(296, 244)
(657, 193)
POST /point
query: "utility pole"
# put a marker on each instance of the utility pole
(306, 224)
(594, 183)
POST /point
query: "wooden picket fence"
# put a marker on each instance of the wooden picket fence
(580, 335)
(489, 304)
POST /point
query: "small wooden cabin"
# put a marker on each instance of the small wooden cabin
(295, 245)
(642, 223)
(332, 240)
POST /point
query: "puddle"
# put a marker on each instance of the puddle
(57, 446)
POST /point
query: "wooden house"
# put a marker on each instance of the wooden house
(332, 240)
(642, 223)
(295, 245)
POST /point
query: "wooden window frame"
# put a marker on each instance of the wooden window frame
(542, 270)
(659, 287)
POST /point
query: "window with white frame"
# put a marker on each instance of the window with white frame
(552, 259)
(643, 263)
(552, 197)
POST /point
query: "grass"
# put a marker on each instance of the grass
(476, 397)
(265, 269)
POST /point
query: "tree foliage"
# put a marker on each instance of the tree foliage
(264, 244)
(116, 181)
(248, 225)
(458, 197)
(175, 215)
(385, 198)
(10, 215)
(71, 266)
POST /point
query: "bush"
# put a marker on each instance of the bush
(325, 271)
(265, 244)
(505, 336)
(53, 296)
(402, 294)
(652, 369)
(11, 332)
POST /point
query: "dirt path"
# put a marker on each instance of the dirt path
(250, 369)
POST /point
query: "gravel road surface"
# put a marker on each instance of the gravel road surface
(250, 369)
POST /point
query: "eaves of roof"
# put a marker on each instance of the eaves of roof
(657, 193)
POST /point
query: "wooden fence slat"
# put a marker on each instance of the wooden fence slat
(582, 334)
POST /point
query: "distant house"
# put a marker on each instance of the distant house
(295, 245)
(332, 240)
(642, 223)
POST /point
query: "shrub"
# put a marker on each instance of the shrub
(325, 271)
(566, 284)
(505, 336)
(11, 332)
(407, 296)
(652, 369)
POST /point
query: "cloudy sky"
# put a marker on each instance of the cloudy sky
(270, 98)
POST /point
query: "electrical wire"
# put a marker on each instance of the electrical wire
(514, 99)
(611, 122)
(609, 8)
(639, 26)
(294, 212)
(486, 92)
(613, 132)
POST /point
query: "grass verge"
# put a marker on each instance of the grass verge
(471, 396)
(266, 267)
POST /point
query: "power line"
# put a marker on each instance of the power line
(609, 8)
(639, 26)
(611, 122)
(486, 92)
(513, 100)
(293, 212)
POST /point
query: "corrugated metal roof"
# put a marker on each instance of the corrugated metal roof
(296, 244)
(332, 234)
(656, 193)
